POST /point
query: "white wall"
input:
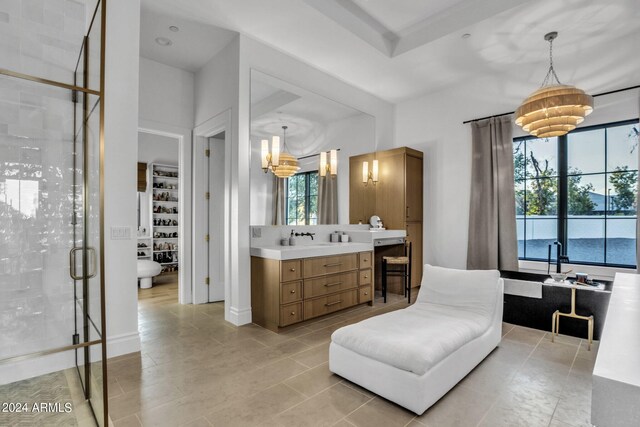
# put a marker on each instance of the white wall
(157, 149)
(120, 178)
(433, 124)
(166, 94)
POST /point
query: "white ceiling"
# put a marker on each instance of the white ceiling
(193, 45)
(275, 103)
(406, 48)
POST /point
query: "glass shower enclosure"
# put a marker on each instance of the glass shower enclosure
(52, 314)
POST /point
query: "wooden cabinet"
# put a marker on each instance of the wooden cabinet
(397, 198)
(287, 292)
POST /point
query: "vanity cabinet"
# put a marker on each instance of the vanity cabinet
(290, 291)
(397, 198)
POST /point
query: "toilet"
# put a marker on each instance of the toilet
(147, 269)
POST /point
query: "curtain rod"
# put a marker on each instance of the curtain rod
(595, 96)
(312, 155)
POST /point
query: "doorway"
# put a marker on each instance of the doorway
(211, 211)
(161, 209)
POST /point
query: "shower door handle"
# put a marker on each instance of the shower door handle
(72, 264)
(92, 263)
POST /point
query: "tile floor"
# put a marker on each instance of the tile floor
(58, 387)
(197, 370)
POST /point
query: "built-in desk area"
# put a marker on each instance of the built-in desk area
(616, 375)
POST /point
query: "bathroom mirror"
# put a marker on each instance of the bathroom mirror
(314, 124)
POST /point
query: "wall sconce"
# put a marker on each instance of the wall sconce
(270, 159)
(370, 175)
(330, 167)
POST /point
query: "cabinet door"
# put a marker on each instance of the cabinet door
(414, 235)
(414, 184)
(390, 190)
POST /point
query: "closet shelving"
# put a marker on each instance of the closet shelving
(164, 216)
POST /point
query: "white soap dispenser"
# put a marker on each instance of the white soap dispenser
(292, 239)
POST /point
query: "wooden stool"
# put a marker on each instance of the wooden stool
(404, 272)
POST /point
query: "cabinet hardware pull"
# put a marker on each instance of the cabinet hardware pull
(332, 303)
(333, 284)
(366, 276)
(333, 265)
(366, 293)
(293, 313)
(293, 291)
(407, 211)
(365, 260)
(292, 269)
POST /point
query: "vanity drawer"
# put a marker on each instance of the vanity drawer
(290, 292)
(330, 264)
(290, 270)
(329, 284)
(325, 305)
(290, 314)
(365, 260)
(365, 277)
(364, 294)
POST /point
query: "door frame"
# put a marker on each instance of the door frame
(185, 292)
(211, 127)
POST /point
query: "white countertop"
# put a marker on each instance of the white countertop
(309, 250)
(370, 235)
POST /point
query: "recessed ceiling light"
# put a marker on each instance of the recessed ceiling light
(174, 28)
(163, 41)
(466, 35)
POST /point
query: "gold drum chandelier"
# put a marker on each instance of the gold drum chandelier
(281, 163)
(555, 109)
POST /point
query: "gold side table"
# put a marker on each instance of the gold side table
(555, 319)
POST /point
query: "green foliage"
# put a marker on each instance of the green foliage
(625, 186)
(580, 202)
(543, 192)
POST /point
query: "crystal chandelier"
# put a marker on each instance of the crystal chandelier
(554, 109)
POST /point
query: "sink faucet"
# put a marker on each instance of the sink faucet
(560, 258)
(305, 234)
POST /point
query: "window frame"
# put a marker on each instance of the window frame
(307, 198)
(563, 189)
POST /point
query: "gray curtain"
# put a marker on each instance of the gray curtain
(278, 197)
(493, 240)
(327, 200)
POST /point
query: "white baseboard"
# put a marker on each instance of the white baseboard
(118, 345)
(21, 370)
(24, 369)
(238, 316)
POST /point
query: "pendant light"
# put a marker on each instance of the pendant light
(288, 165)
(555, 109)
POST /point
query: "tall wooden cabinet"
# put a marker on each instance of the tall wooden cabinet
(396, 198)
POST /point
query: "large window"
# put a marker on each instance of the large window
(302, 199)
(579, 189)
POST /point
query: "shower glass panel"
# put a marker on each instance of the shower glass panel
(51, 249)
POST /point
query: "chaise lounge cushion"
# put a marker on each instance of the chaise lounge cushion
(451, 310)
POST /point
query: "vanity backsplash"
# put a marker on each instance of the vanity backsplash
(264, 236)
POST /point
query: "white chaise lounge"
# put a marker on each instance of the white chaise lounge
(414, 356)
